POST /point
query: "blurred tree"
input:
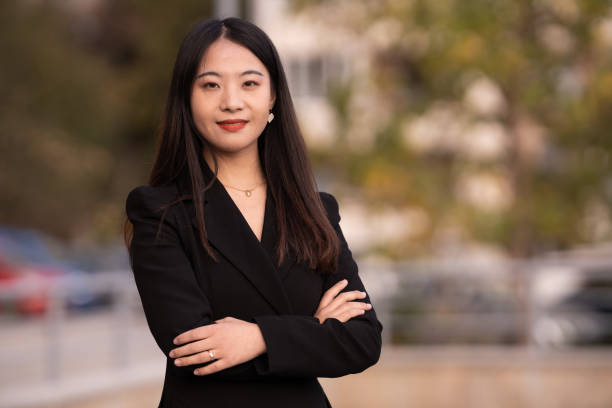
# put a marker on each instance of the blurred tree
(493, 115)
(83, 84)
(490, 115)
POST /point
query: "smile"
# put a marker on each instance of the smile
(232, 125)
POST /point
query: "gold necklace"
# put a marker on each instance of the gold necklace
(247, 192)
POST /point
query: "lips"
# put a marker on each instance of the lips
(232, 125)
(232, 121)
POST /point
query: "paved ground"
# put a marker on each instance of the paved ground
(479, 378)
(110, 360)
(446, 378)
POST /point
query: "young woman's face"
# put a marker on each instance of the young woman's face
(231, 97)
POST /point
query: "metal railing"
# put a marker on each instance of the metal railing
(558, 301)
(538, 304)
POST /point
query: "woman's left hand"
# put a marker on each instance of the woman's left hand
(232, 341)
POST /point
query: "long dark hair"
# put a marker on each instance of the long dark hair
(302, 224)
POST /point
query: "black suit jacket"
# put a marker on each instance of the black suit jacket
(182, 287)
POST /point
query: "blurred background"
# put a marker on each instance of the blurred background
(467, 141)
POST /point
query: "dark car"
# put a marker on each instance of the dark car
(581, 311)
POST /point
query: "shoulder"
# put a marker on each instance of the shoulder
(331, 206)
(148, 200)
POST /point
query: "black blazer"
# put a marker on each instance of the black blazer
(182, 287)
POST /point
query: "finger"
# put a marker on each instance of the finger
(346, 314)
(202, 357)
(346, 297)
(211, 368)
(346, 307)
(351, 306)
(352, 295)
(198, 333)
(345, 317)
(332, 292)
(191, 348)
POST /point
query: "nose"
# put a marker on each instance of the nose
(231, 99)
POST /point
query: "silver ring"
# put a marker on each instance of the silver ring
(211, 354)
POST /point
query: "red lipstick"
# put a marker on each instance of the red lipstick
(232, 125)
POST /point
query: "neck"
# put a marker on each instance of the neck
(241, 169)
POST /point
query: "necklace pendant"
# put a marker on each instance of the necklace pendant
(248, 193)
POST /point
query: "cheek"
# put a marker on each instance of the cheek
(199, 111)
(263, 105)
(261, 115)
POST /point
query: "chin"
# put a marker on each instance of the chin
(235, 148)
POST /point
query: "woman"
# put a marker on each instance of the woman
(248, 285)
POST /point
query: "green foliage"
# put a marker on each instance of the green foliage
(84, 88)
(83, 92)
(552, 67)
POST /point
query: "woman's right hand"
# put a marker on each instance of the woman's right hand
(340, 305)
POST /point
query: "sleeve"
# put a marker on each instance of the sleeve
(171, 297)
(301, 346)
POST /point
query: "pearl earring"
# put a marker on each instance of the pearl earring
(270, 117)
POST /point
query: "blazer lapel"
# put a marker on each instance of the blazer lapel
(269, 239)
(230, 234)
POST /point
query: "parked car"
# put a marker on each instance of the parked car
(13, 281)
(573, 305)
(31, 272)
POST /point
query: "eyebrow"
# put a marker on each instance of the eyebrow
(250, 71)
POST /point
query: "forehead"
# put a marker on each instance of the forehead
(224, 56)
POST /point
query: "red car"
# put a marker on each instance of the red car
(24, 288)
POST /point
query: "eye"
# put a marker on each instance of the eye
(210, 85)
(250, 84)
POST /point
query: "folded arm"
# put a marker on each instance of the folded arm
(295, 345)
(301, 346)
(171, 297)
